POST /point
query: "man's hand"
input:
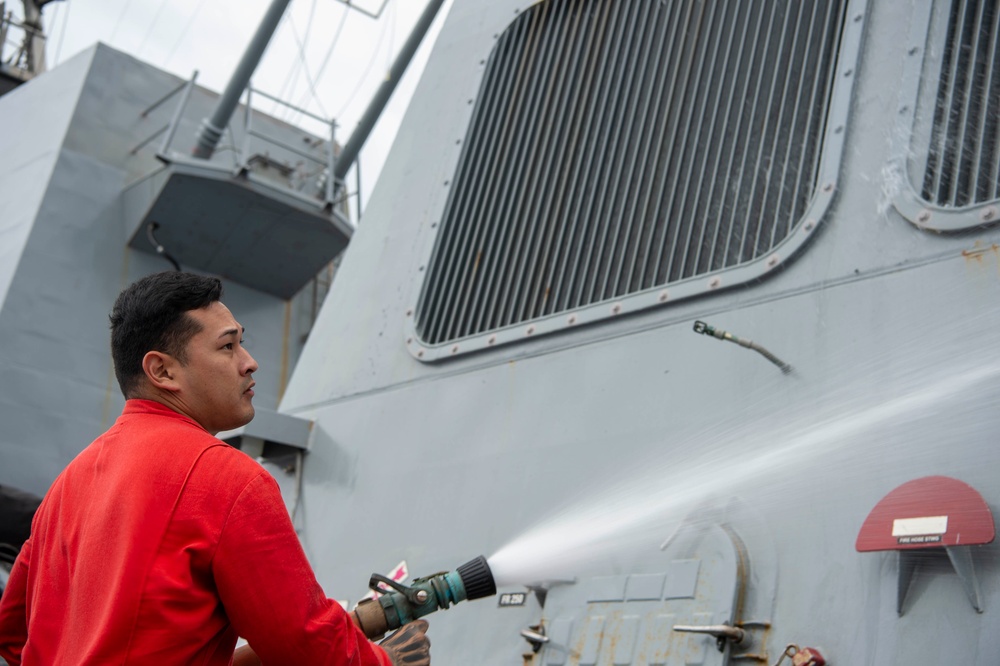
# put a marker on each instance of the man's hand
(409, 646)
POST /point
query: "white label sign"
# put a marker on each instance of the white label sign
(904, 527)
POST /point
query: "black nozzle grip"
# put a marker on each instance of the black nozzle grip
(477, 578)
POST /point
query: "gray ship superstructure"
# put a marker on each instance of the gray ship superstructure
(528, 349)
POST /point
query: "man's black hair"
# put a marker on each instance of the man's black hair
(151, 315)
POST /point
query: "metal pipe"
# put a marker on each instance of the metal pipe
(705, 329)
(375, 107)
(534, 637)
(357, 178)
(213, 127)
(734, 634)
(139, 146)
(175, 120)
(244, 157)
(331, 157)
(163, 99)
(282, 102)
(5, 20)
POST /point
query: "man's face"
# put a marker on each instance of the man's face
(216, 387)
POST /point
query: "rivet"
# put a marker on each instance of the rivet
(420, 354)
(810, 224)
(616, 308)
(492, 340)
(838, 129)
(470, 101)
(772, 261)
(914, 50)
(531, 329)
(988, 213)
(903, 110)
(409, 313)
(664, 296)
(924, 216)
(409, 341)
(482, 62)
(714, 283)
(828, 187)
(421, 269)
(446, 183)
(571, 320)
(848, 72)
(434, 225)
(858, 18)
(454, 350)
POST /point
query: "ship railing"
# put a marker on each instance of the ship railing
(19, 35)
(251, 132)
(171, 127)
(245, 149)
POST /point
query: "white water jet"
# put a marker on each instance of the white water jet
(661, 496)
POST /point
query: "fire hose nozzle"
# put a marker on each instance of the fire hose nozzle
(403, 604)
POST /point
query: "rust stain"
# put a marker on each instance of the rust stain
(976, 254)
(974, 257)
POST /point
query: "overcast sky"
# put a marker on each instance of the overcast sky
(347, 53)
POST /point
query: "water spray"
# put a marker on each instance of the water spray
(403, 604)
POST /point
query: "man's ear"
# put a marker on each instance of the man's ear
(161, 370)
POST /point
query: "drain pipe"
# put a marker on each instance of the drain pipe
(212, 128)
(350, 151)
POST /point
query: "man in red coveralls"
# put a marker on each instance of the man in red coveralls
(159, 543)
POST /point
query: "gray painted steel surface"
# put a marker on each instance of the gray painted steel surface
(65, 256)
(890, 331)
(744, 488)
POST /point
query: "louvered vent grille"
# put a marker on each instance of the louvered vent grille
(619, 146)
(964, 151)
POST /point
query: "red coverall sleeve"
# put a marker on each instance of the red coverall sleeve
(14, 609)
(270, 593)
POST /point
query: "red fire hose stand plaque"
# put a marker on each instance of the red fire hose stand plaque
(931, 512)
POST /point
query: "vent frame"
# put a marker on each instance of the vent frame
(908, 164)
(829, 148)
